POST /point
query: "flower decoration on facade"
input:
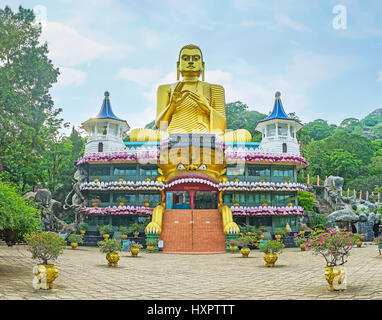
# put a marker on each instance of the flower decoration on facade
(244, 156)
(267, 211)
(122, 185)
(260, 186)
(120, 210)
(135, 155)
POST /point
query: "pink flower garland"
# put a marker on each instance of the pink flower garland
(267, 211)
(145, 156)
(120, 210)
(264, 157)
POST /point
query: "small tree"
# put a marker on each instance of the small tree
(306, 200)
(78, 238)
(45, 246)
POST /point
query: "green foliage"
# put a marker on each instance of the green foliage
(45, 246)
(104, 229)
(76, 238)
(134, 244)
(272, 246)
(319, 129)
(318, 221)
(109, 245)
(17, 215)
(299, 238)
(151, 242)
(281, 232)
(84, 226)
(333, 245)
(123, 229)
(305, 200)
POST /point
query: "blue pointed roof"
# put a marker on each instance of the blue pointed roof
(278, 112)
(106, 112)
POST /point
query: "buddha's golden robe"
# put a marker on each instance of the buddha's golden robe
(188, 116)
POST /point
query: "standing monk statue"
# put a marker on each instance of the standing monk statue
(190, 105)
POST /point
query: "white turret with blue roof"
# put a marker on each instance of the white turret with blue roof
(105, 131)
(278, 131)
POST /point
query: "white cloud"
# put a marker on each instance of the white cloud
(70, 76)
(67, 47)
(284, 20)
(379, 76)
(144, 77)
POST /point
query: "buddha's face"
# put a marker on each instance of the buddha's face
(190, 61)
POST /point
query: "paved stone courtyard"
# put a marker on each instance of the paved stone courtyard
(84, 274)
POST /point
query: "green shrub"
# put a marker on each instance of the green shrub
(272, 246)
(104, 229)
(151, 242)
(281, 231)
(76, 238)
(134, 244)
(18, 216)
(123, 229)
(318, 221)
(84, 226)
(45, 246)
(306, 200)
(109, 245)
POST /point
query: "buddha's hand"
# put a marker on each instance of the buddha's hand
(199, 99)
(231, 227)
(153, 227)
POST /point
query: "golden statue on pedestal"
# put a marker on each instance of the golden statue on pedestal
(190, 105)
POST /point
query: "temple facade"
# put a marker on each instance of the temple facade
(126, 182)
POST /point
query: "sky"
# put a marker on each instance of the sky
(323, 56)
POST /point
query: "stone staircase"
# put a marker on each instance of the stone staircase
(192, 232)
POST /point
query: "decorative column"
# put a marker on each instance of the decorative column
(192, 194)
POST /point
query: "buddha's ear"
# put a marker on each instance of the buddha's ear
(203, 67)
(177, 71)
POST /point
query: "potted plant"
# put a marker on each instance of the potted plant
(359, 237)
(151, 245)
(299, 240)
(83, 228)
(96, 180)
(279, 233)
(271, 248)
(105, 230)
(334, 246)
(111, 247)
(75, 239)
(263, 179)
(134, 229)
(245, 241)
(287, 180)
(44, 246)
(124, 230)
(264, 203)
(121, 179)
(233, 245)
(134, 248)
(95, 200)
(146, 202)
(121, 201)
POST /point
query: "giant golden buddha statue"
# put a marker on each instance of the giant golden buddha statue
(190, 105)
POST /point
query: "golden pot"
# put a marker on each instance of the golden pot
(150, 249)
(136, 234)
(124, 237)
(51, 274)
(82, 232)
(359, 244)
(278, 237)
(261, 237)
(134, 252)
(245, 252)
(146, 204)
(302, 247)
(233, 249)
(106, 236)
(113, 258)
(74, 245)
(335, 276)
(120, 204)
(270, 259)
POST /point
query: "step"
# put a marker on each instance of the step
(192, 231)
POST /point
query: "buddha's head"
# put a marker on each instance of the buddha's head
(190, 61)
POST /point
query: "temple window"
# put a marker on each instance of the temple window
(113, 129)
(291, 132)
(148, 171)
(282, 129)
(98, 171)
(259, 171)
(125, 170)
(271, 130)
(235, 171)
(100, 147)
(285, 148)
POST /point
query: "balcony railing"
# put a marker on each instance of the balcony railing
(124, 177)
(258, 178)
